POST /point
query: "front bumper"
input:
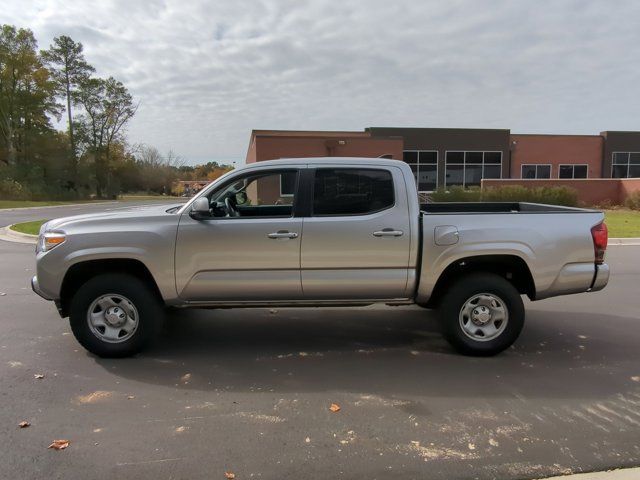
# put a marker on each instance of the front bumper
(36, 288)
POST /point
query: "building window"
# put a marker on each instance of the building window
(424, 164)
(625, 165)
(532, 171)
(572, 171)
(466, 169)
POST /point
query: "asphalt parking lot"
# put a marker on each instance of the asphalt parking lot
(248, 391)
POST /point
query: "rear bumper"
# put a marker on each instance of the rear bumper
(601, 278)
(577, 278)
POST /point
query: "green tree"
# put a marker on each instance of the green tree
(27, 94)
(108, 106)
(66, 62)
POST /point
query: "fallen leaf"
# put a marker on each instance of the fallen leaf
(635, 379)
(24, 424)
(185, 378)
(229, 475)
(38, 375)
(59, 444)
(334, 407)
(131, 397)
(181, 429)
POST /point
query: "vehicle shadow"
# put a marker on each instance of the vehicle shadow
(391, 351)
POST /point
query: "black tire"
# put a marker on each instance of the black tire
(144, 299)
(454, 322)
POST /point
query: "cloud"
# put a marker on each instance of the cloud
(206, 72)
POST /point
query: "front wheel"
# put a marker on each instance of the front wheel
(115, 315)
(482, 314)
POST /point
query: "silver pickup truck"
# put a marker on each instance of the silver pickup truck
(317, 232)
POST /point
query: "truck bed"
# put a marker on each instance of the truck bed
(453, 208)
(557, 247)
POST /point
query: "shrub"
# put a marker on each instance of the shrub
(606, 204)
(511, 193)
(457, 194)
(12, 190)
(633, 201)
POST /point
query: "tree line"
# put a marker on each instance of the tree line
(92, 157)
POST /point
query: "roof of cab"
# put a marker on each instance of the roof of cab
(326, 161)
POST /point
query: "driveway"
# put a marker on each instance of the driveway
(248, 391)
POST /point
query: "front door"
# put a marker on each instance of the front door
(357, 240)
(249, 249)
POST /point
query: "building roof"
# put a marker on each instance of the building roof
(307, 133)
(553, 135)
(436, 129)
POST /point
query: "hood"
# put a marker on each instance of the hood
(117, 213)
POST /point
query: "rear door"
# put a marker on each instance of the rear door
(356, 241)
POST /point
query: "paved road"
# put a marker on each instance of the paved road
(249, 391)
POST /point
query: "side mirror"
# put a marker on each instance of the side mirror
(200, 208)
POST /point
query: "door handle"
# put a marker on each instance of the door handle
(283, 234)
(388, 232)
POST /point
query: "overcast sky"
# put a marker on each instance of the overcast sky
(207, 72)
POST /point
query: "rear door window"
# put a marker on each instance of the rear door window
(351, 191)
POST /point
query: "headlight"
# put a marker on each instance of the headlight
(49, 240)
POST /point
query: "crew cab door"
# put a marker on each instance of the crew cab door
(248, 253)
(357, 238)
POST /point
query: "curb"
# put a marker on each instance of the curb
(9, 235)
(57, 206)
(619, 474)
(623, 241)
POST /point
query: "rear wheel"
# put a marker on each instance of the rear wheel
(482, 314)
(115, 315)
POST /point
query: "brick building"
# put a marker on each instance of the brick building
(444, 157)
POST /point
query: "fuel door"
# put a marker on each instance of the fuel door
(446, 235)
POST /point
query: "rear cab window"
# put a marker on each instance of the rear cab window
(352, 191)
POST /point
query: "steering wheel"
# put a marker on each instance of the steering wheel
(231, 209)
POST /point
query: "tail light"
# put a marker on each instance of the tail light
(600, 236)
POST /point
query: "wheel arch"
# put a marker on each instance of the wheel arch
(81, 272)
(512, 267)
